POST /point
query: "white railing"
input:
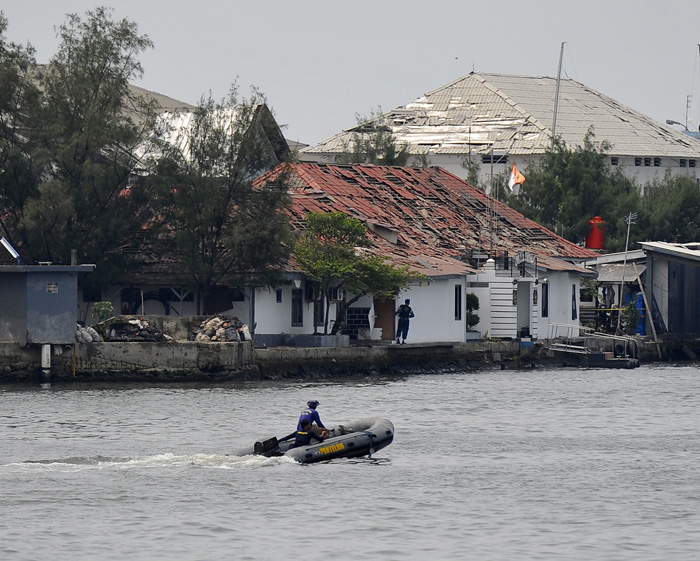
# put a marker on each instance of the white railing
(579, 339)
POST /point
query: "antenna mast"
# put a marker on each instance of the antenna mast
(556, 95)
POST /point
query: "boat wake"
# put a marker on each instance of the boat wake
(209, 461)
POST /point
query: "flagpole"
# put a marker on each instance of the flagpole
(556, 95)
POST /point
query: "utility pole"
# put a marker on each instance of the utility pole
(556, 96)
(630, 218)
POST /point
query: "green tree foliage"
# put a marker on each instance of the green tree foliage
(373, 142)
(19, 168)
(471, 164)
(472, 318)
(571, 186)
(377, 276)
(86, 141)
(102, 310)
(82, 166)
(328, 253)
(226, 230)
(670, 211)
(325, 252)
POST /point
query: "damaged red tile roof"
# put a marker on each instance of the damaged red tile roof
(437, 215)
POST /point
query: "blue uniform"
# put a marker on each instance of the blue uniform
(303, 438)
(310, 415)
(405, 313)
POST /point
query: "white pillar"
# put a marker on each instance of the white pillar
(46, 359)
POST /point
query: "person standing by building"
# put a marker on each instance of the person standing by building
(405, 313)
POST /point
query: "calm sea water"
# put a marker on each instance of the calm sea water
(501, 465)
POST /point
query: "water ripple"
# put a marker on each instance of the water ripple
(498, 465)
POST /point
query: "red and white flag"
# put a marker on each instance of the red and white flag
(516, 180)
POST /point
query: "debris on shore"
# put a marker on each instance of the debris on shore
(223, 329)
(121, 328)
(87, 335)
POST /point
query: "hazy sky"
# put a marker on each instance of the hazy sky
(321, 62)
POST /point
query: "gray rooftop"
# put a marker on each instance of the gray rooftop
(514, 115)
(685, 251)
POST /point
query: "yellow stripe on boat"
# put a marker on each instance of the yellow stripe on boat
(332, 448)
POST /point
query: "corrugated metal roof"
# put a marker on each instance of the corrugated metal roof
(690, 250)
(513, 115)
(161, 103)
(432, 217)
(637, 255)
(617, 272)
(559, 264)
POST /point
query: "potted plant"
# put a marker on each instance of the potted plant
(102, 310)
(472, 318)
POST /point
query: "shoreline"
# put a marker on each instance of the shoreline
(189, 361)
(132, 362)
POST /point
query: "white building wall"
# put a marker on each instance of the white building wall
(484, 311)
(535, 312)
(503, 312)
(561, 288)
(434, 306)
(274, 317)
(497, 312)
(640, 169)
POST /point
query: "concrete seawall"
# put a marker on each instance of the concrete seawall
(295, 362)
(195, 361)
(189, 361)
(128, 361)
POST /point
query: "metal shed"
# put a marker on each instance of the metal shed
(673, 280)
(39, 303)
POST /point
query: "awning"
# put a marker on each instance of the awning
(617, 272)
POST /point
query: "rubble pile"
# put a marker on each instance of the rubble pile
(132, 330)
(87, 335)
(223, 329)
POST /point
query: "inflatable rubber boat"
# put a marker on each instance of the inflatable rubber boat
(351, 440)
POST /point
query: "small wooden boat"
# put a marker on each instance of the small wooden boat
(359, 438)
